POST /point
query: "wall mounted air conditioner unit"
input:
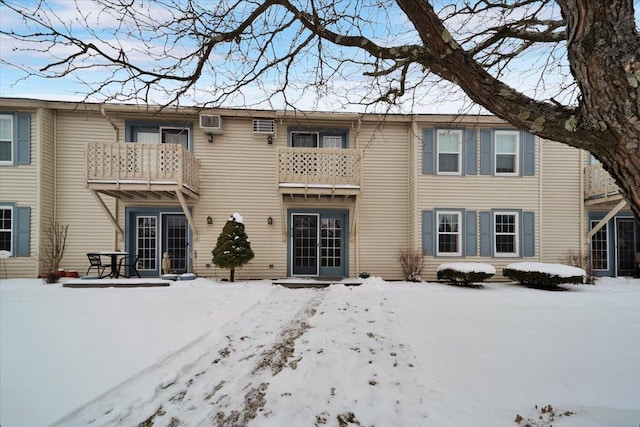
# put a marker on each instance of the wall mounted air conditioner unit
(211, 123)
(264, 126)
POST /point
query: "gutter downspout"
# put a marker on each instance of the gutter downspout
(116, 132)
(357, 202)
(55, 165)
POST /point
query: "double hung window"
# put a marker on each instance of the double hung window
(6, 227)
(506, 152)
(6, 139)
(449, 148)
(506, 234)
(449, 233)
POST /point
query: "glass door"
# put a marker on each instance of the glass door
(332, 245)
(305, 245)
(626, 240)
(175, 241)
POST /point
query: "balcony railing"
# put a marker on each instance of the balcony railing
(319, 170)
(139, 167)
(598, 183)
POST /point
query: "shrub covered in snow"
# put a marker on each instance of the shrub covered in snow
(232, 248)
(465, 273)
(543, 275)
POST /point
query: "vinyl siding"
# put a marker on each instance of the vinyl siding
(477, 193)
(47, 177)
(89, 228)
(561, 200)
(19, 185)
(383, 220)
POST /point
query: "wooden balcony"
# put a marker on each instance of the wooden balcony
(137, 171)
(599, 187)
(319, 171)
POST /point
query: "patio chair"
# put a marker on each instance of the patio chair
(130, 264)
(96, 262)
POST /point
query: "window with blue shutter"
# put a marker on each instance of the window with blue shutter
(486, 234)
(471, 152)
(15, 139)
(507, 152)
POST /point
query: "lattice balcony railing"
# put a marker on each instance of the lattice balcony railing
(320, 166)
(142, 163)
(598, 182)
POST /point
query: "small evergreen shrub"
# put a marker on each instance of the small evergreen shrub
(232, 248)
(540, 275)
(364, 275)
(464, 274)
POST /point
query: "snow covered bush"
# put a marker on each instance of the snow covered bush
(542, 275)
(232, 248)
(465, 273)
(412, 264)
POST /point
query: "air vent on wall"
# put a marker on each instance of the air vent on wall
(211, 123)
(264, 126)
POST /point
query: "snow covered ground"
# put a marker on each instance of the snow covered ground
(384, 354)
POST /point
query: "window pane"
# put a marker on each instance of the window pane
(147, 135)
(448, 243)
(505, 163)
(6, 128)
(176, 136)
(599, 248)
(448, 223)
(506, 143)
(448, 142)
(332, 141)
(304, 140)
(5, 230)
(448, 233)
(5, 151)
(448, 163)
(505, 244)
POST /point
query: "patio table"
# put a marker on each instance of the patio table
(114, 261)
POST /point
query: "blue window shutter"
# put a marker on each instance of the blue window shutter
(22, 230)
(23, 139)
(427, 151)
(528, 154)
(486, 234)
(427, 233)
(471, 152)
(528, 234)
(471, 232)
(486, 152)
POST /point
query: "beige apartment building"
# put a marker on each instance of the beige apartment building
(322, 194)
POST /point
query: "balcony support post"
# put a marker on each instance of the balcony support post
(606, 219)
(187, 214)
(108, 213)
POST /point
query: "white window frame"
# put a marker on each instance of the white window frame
(605, 229)
(459, 152)
(10, 140)
(458, 233)
(516, 160)
(11, 226)
(516, 234)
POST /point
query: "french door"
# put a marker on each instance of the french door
(156, 233)
(318, 244)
